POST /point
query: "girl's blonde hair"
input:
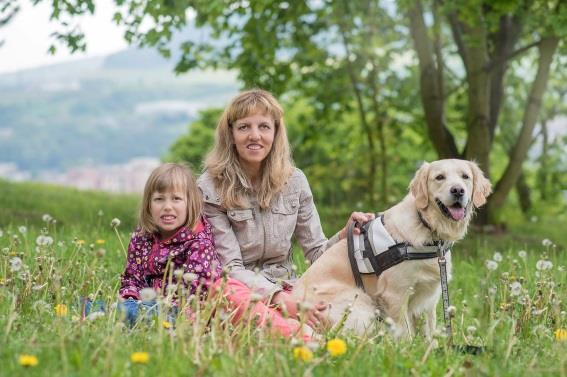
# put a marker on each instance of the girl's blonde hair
(171, 176)
(224, 166)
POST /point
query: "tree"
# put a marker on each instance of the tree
(346, 56)
(487, 37)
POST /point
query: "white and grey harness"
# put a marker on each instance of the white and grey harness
(373, 251)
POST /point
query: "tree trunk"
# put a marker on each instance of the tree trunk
(524, 197)
(543, 174)
(547, 49)
(430, 90)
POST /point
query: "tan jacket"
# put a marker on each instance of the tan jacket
(253, 239)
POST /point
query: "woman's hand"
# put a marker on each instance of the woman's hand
(314, 316)
(361, 217)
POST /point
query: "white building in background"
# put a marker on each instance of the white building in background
(129, 177)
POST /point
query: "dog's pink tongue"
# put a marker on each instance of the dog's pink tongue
(457, 213)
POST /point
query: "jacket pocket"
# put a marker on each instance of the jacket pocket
(284, 215)
(244, 226)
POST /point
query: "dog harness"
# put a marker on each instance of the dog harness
(373, 251)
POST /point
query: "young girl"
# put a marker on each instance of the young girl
(172, 235)
(173, 229)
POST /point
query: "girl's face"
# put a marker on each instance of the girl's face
(169, 211)
(253, 137)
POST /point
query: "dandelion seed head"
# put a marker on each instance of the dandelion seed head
(100, 213)
(148, 294)
(522, 254)
(1, 233)
(22, 229)
(451, 310)
(491, 265)
(15, 264)
(44, 240)
(255, 297)
(115, 223)
(546, 242)
(178, 273)
(188, 277)
(515, 289)
(46, 218)
(543, 265)
(497, 257)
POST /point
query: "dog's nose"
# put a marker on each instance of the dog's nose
(457, 191)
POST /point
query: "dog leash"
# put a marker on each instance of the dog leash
(445, 292)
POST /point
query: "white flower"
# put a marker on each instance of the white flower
(491, 265)
(46, 218)
(44, 241)
(522, 254)
(546, 242)
(492, 291)
(178, 273)
(451, 310)
(115, 222)
(515, 289)
(543, 265)
(22, 229)
(189, 277)
(255, 297)
(148, 294)
(95, 315)
(15, 264)
(100, 213)
(497, 256)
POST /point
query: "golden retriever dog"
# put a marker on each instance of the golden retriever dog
(444, 194)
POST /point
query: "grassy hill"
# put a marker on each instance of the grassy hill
(516, 310)
(26, 203)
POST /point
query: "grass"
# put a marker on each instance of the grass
(86, 259)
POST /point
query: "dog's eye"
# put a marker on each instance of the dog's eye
(465, 176)
(440, 177)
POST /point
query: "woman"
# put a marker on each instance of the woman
(257, 201)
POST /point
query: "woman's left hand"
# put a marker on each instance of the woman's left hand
(361, 217)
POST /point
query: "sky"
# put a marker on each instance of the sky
(27, 36)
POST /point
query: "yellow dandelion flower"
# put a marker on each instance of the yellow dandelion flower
(80, 242)
(2, 281)
(336, 347)
(140, 357)
(303, 353)
(166, 324)
(100, 242)
(28, 360)
(561, 335)
(61, 310)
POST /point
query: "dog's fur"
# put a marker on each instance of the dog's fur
(411, 288)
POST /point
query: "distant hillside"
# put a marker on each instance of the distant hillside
(26, 203)
(102, 110)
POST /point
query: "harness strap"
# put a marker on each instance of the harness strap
(351, 258)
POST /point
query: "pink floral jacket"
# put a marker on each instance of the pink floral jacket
(190, 251)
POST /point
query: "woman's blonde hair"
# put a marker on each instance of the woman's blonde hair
(224, 166)
(171, 176)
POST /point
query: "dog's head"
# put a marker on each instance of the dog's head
(446, 192)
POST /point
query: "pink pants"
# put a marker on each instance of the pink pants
(238, 296)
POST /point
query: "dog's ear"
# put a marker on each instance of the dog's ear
(418, 186)
(481, 186)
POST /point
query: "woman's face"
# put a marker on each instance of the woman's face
(253, 137)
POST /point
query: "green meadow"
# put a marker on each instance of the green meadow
(508, 289)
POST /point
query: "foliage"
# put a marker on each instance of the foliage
(517, 325)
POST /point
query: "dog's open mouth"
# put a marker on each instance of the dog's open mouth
(455, 212)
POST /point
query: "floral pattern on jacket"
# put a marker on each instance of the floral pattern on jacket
(191, 251)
